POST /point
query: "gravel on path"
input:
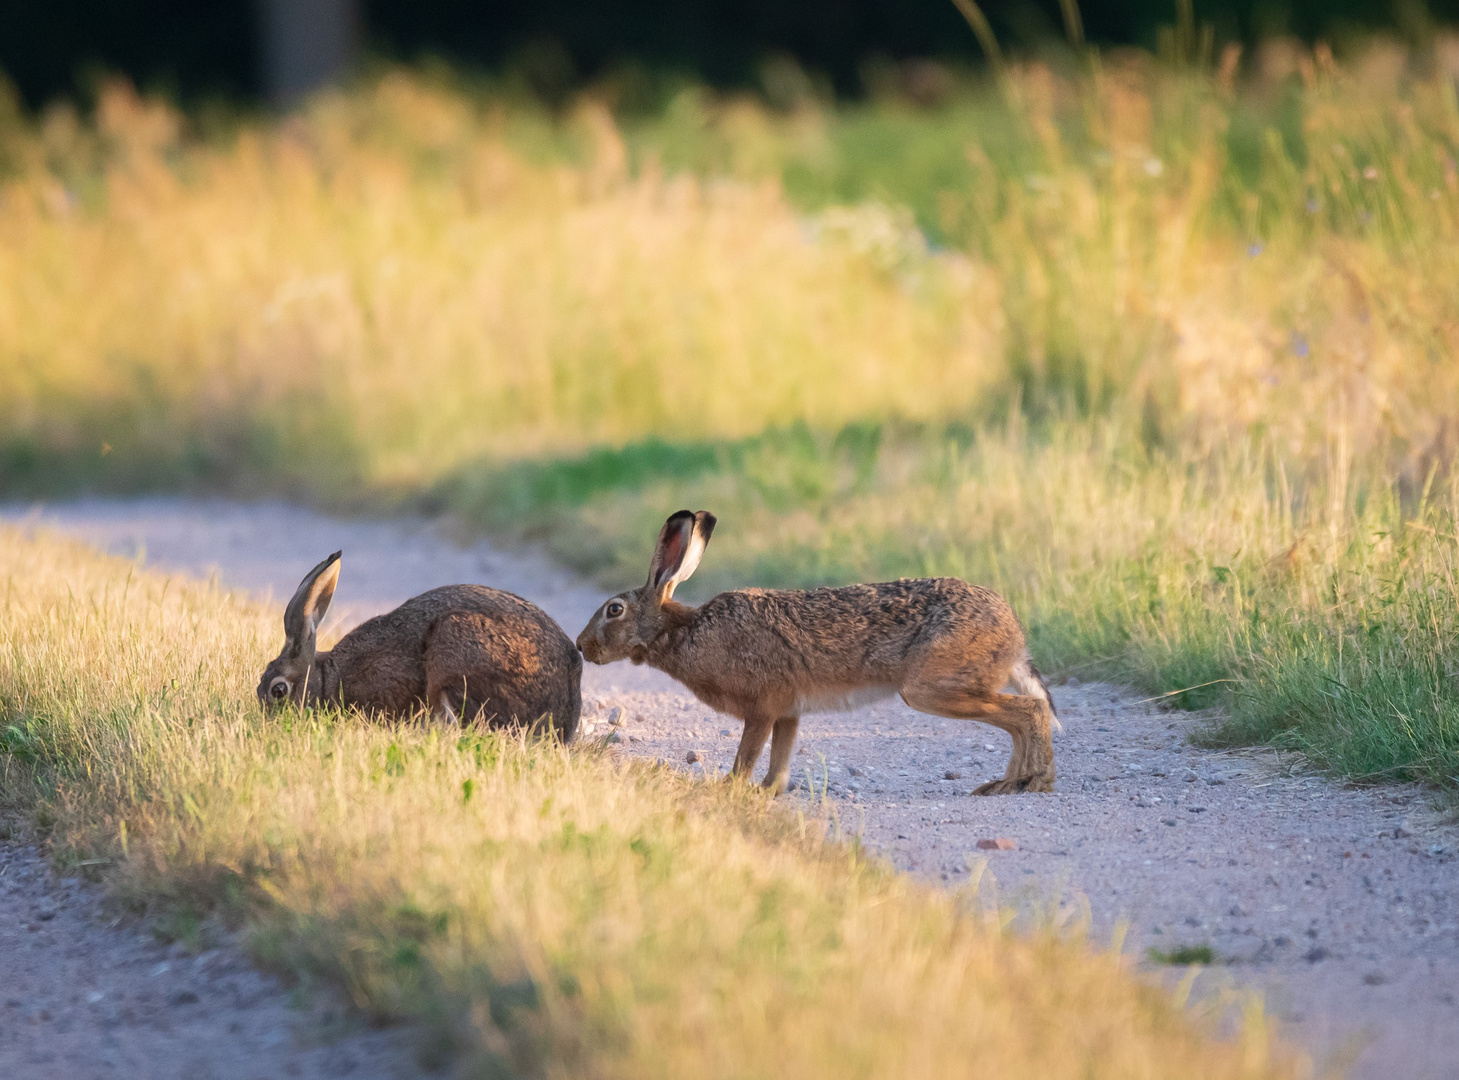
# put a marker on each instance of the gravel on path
(1340, 905)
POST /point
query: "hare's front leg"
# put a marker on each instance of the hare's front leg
(781, 743)
(757, 730)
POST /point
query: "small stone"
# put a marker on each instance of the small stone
(1375, 978)
(856, 772)
(1196, 809)
(692, 757)
(1071, 681)
(1170, 821)
(952, 774)
(1315, 954)
(615, 717)
(183, 997)
(725, 731)
(613, 738)
(45, 916)
(987, 746)
(999, 843)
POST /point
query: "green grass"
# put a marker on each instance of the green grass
(1184, 954)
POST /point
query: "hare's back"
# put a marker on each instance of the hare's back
(921, 605)
(873, 629)
(492, 639)
(513, 621)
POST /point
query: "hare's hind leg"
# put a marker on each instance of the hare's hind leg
(781, 743)
(1033, 770)
(1031, 765)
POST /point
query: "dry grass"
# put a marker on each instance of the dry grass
(547, 913)
(382, 289)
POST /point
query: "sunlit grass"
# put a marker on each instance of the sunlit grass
(542, 911)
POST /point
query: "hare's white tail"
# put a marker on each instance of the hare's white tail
(1027, 680)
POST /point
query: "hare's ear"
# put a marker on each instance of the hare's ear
(682, 541)
(311, 600)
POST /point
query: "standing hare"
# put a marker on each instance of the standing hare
(466, 652)
(769, 656)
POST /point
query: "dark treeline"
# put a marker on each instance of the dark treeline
(211, 47)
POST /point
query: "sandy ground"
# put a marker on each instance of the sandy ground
(1339, 905)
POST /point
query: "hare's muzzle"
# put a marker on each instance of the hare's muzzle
(589, 646)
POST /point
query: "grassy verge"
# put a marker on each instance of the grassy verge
(542, 912)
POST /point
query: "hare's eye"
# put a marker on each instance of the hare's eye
(615, 609)
(278, 688)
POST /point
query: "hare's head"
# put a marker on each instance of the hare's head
(626, 624)
(293, 672)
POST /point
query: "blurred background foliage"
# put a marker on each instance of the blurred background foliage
(199, 50)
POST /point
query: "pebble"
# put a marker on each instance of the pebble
(692, 757)
(952, 774)
(998, 843)
(616, 716)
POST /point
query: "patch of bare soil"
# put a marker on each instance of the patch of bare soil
(1339, 905)
(84, 995)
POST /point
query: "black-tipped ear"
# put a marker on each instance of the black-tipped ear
(681, 545)
(311, 600)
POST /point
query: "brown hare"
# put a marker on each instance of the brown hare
(465, 652)
(769, 656)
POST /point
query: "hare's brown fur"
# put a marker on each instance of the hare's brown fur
(768, 656)
(465, 652)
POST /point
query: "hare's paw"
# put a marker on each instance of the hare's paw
(1041, 782)
(1013, 785)
(1009, 785)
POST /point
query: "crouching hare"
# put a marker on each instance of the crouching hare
(467, 653)
(769, 656)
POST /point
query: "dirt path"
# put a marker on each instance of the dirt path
(1340, 905)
